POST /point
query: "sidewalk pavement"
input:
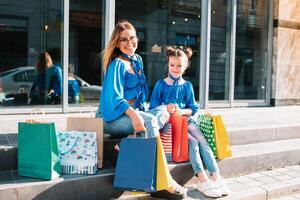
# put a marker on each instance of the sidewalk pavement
(290, 197)
(274, 184)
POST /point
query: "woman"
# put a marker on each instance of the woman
(47, 85)
(125, 92)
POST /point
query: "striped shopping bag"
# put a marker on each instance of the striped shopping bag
(166, 139)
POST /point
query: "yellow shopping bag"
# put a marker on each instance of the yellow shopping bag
(221, 138)
(163, 175)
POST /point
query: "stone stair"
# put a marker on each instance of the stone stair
(255, 149)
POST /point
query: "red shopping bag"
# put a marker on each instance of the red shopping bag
(179, 138)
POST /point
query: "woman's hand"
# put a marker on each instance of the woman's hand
(137, 120)
(138, 123)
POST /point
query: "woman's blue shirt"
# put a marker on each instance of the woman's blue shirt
(118, 86)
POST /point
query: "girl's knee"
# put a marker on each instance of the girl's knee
(165, 113)
(151, 120)
(193, 143)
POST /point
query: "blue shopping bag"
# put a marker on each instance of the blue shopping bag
(136, 165)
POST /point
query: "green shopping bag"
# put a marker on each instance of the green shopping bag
(205, 124)
(37, 151)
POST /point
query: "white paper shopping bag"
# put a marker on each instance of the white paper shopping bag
(77, 152)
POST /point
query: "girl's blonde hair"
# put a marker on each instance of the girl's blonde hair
(179, 52)
(112, 51)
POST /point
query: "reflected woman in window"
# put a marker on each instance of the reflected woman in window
(125, 91)
(47, 85)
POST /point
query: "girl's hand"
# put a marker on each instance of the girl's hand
(178, 111)
(171, 108)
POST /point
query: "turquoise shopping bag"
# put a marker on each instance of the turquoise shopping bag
(37, 151)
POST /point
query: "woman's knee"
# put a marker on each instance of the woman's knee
(120, 126)
(161, 114)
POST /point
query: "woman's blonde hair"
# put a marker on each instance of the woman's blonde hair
(112, 51)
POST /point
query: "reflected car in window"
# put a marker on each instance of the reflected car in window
(21, 79)
(15, 79)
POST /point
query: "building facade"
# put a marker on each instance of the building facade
(246, 52)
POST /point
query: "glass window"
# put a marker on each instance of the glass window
(251, 50)
(85, 42)
(26, 32)
(163, 23)
(219, 69)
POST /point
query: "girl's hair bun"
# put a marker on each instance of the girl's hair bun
(188, 52)
(179, 51)
(170, 51)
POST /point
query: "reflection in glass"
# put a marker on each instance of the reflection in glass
(219, 69)
(85, 34)
(162, 23)
(26, 31)
(251, 37)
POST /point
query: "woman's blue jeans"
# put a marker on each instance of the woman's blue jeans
(199, 148)
(154, 120)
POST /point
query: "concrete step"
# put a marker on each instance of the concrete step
(254, 135)
(246, 159)
(261, 156)
(9, 151)
(8, 142)
(271, 184)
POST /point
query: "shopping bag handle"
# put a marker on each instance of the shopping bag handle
(75, 143)
(89, 106)
(135, 134)
(35, 111)
(208, 111)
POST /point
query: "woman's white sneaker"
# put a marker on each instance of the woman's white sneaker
(208, 189)
(222, 187)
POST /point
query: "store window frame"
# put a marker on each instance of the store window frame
(109, 11)
(231, 102)
(109, 23)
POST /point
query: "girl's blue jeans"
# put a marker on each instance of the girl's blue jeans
(199, 148)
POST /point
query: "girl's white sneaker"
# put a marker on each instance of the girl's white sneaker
(222, 187)
(209, 189)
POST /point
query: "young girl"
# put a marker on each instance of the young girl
(125, 92)
(73, 86)
(178, 96)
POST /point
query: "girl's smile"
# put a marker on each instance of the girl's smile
(177, 66)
